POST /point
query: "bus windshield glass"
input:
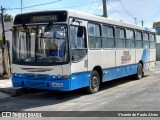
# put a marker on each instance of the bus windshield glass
(40, 44)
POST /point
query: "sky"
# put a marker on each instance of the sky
(130, 11)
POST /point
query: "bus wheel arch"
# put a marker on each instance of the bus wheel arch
(141, 62)
(140, 72)
(100, 72)
(95, 80)
(142, 67)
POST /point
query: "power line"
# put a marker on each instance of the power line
(90, 5)
(66, 6)
(121, 14)
(35, 5)
(42, 4)
(116, 11)
(130, 14)
(78, 5)
(126, 9)
(97, 7)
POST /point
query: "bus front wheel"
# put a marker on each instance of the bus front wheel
(94, 83)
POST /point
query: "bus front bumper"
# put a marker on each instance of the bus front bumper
(61, 85)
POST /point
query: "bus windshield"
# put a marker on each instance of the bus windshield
(40, 44)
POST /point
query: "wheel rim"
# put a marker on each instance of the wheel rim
(94, 83)
(140, 71)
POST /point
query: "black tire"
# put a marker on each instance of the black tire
(94, 83)
(140, 72)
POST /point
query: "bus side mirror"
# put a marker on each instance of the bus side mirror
(80, 31)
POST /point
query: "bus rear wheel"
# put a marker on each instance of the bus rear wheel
(94, 83)
(140, 72)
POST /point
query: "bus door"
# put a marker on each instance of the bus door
(78, 45)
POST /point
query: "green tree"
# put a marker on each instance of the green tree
(8, 18)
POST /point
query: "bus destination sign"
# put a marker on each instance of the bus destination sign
(41, 17)
(44, 18)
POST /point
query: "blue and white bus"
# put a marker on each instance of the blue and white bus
(65, 50)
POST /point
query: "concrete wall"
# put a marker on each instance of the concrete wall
(4, 58)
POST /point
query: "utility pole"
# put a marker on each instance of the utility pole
(142, 22)
(105, 8)
(21, 6)
(135, 20)
(3, 47)
(3, 29)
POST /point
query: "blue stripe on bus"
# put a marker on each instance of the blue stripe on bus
(80, 80)
(75, 81)
(118, 72)
(41, 84)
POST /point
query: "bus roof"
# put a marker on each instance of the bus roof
(95, 18)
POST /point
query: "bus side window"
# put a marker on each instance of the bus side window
(138, 37)
(130, 39)
(94, 37)
(146, 40)
(78, 44)
(152, 43)
(108, 37)
(120, 38)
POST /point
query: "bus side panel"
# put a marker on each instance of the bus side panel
(152, 58)
(80, 77)
(109, 74)
(113, 73)
(80, 80)
(143, 54)
(103, 58)
(139, 55)
(131, 69)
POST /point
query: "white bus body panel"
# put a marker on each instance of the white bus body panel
(103, 58)
(66, 69)
(139, 53)
(49, 70)
(152, 58)
(79, 66)
(152, 55)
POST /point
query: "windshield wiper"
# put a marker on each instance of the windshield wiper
(27, 31)
(28, 39)
(47, 28)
